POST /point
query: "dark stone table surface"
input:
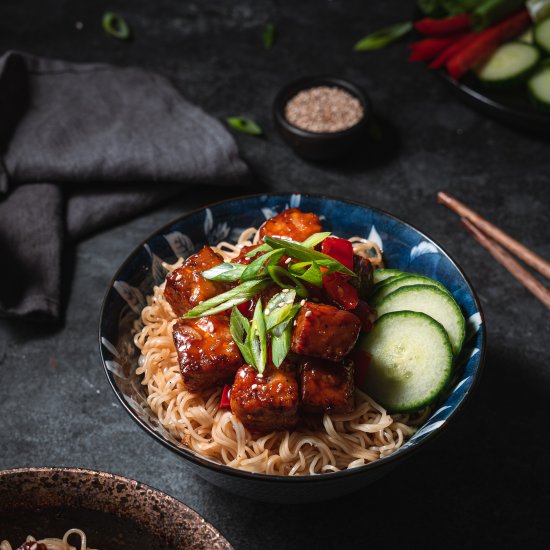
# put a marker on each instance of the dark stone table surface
(484, 483)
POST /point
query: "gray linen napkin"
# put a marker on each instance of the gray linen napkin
(82, 146)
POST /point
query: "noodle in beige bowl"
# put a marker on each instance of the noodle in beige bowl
(334, 451)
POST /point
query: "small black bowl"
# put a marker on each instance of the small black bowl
(320, 146)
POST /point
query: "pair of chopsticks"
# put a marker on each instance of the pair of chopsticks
(488, 235)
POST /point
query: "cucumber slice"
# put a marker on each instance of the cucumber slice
(407, 280)
(433, 302)
(539, 87)
(510, 63)
(379, 275)
(541, 35)
(411, 360)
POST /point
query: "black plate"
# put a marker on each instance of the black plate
(511, 106)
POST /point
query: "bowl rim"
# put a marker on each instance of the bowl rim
(290, 89)
(129, 482)
(278, 478)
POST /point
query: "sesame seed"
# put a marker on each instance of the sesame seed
(294, 324)
(285, 289)
(324, 109)
(266, 311)
(260, 375)
(302, 302)
(288, 260)
(254, 386)
(308, 313)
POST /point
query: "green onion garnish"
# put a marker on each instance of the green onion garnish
(278, 308)
(227, 300)
(115, 25)
(285, 279)
(224, 272)
(268, 36)
(258, 338)
(383, 37)
(244, 125)
(258, 267)
(300, 252)
(239, 326)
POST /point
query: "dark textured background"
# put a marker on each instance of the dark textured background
(485, 481)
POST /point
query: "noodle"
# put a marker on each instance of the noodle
(54, 544)
(335, 443)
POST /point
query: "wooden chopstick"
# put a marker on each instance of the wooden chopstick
(514, 267)
(521, 251)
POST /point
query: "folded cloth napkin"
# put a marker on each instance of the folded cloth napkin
(84, 145)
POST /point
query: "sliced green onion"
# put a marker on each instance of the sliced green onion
(313, 240)
(300, 252)
(279, 308)
(281, 338)
(239, 326)
(268, 36)
(258, 267)
(244, 125)
(383, 37)
(227, 300)
(258, 338)
(279, 274)
(115, 25)
(224, 272)
(313, 275)
(262, 248)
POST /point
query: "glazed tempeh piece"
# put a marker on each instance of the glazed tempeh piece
(266, 403)
(207, 354)
(326, 386)
(293, 224)
(186, 288)
(324, 331)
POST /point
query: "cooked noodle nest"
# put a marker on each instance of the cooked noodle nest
(55, 544)
(335, 443)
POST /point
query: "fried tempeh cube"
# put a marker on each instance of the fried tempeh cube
(207, 354)
(267, 402)
(324, 331)
(326, 386)
(185, 287)
(292, 223)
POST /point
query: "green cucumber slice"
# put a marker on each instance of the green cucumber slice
(433, 302)
(411, 360)
(541, 35)
(510, 63)
(539, 87)
(407, 280)
(379, 275)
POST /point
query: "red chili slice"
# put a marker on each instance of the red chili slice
(224, 401)
(340, 291)
(339, 249)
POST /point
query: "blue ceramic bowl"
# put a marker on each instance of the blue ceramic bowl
(404, 247)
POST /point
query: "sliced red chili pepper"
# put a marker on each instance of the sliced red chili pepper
(430, 47)
(361, 361)
(452, 50)
(225, 399)
(447, 25)
(339, 249)
(366, 314)
(340, 291)
(247, 308)
(487, 42)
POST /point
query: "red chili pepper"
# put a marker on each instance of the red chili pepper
(487, 42)
(366, 314)
(340, 291)
(339, 249)
(361, 361)
(247, 308)
(445, 26)
(430, 47)
(226, 394)
(452, 50)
